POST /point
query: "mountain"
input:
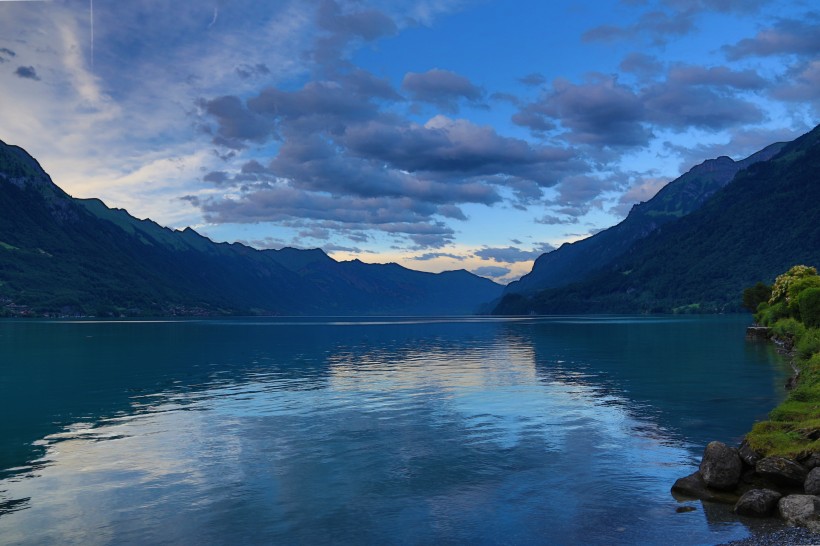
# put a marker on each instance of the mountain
(763, 222)
(574, 261)
(61, 255)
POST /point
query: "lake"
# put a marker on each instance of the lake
(543, 430)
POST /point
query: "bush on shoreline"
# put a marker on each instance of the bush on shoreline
(793, 314)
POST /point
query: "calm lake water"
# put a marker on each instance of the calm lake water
(562, 430)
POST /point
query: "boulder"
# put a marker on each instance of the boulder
(748, 455)
(812, 484)
(721, 466)
(812, 461)
(782, 471)
(799, 509)
(758, 503)
(693, 487)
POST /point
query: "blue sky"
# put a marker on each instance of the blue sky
(439, 134)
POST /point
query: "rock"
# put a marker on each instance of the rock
(812, 484)
(748, 455)
(758, 503)
(812, 461)
(693, 487)
(782, 471)
(721, 466)
(684, 509)
(799, 509)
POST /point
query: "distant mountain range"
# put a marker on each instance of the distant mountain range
(695, 246)
(65, 256)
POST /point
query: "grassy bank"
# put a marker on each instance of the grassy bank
(792, 310)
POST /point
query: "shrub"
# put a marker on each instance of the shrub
(809, 343)
(810, 307)
(769, 314)
(789, 328)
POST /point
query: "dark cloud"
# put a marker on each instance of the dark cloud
(681, 107)
(433, 255)
(604, 112)
(7, 52)
(236, 124)
(441, 87)
(302, 209)
(27, 72)
(800, 84)
(445, 145)
(513, 254)
(492, 271)
(599, 112)
(216, 177)
(366, 24)
(345, 26)
(721, 6)
(676, 18)
(535, 79)
(246, 71)
(659, 26)
(688, 75)
(788, 36)
(641, 64)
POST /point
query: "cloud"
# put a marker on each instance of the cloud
(27, 72)
(600, 112)
(659, 26)
(535, 79)
(692, 75)
(343, 26)
(492, 271)
(513, 254)
(800, 84)
(552, 220)
(675, 19)
(787, 36)
(641, 64)
(442, 88)
(681, 107)
(236, 123)
(435, 255)
(247, 71)
(603, 112)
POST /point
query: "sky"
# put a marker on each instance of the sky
(438, 134)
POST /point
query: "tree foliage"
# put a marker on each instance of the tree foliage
(810, 307)
(755, 295)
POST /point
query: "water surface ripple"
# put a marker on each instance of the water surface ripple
(556, 430)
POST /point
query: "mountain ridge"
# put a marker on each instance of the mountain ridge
(572, 261)
(65, 256)
(750, 230)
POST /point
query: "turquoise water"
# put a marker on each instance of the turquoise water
(557, 430)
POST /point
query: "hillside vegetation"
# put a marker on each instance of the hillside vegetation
(755, 227)
(793, 313)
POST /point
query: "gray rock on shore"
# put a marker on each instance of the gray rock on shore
(758, 503)
(721, 466)
(782, 471)
(802, 510)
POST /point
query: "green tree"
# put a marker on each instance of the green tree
(780, 289)
(755, 295)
